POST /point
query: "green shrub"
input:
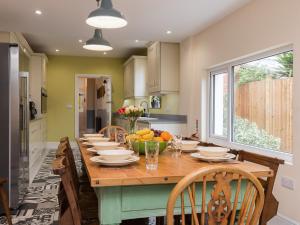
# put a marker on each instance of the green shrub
(248, 133)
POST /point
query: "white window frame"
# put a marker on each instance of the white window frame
(228, 68)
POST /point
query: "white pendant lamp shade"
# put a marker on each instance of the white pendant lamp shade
(97, 42)
(106, 16)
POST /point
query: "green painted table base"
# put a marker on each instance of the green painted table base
(131, 202)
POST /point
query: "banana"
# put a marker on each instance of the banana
(148, 136)
(143, 132)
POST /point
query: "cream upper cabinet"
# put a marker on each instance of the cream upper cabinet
(38, 68)
(135, 77)
(163, 68)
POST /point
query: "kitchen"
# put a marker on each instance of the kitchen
(166, 59)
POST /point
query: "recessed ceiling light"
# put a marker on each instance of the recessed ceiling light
(104, 53)
(38, 12)
(80, 41)
(169, 32)
(57, 50)
(136, 41)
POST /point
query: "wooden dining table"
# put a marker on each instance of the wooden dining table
(132, 191)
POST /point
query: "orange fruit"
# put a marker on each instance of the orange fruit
(166, 136)
(159, 139)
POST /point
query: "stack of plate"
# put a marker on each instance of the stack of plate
(87, 137)
(115, 158)
(189, 146)
(213, 154)
(102, 145)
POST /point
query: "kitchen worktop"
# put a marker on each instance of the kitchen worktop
(162, 119)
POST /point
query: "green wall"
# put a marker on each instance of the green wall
(61, 71)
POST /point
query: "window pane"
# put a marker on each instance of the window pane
(263, 103)
(220, 103)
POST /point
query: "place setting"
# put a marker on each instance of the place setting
(115, 157)
(213, 154)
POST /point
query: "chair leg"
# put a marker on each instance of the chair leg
(5, 204)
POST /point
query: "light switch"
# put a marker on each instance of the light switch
(69, 106)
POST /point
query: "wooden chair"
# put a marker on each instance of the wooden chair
(72, 211)
(110, 131)
(64, 151)
(83, 177)
(271, 203)
(4, 200)
(219, 209)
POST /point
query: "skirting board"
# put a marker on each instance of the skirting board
(282, 220)
(54, 145)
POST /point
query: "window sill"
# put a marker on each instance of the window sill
(287, 157)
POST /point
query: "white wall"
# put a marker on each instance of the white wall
(260, 25)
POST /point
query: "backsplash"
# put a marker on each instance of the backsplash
(169, 104)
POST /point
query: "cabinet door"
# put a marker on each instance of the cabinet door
(129, 80)
(154, 67)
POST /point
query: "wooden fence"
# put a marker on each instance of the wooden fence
(268, 103)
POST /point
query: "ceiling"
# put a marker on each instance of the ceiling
(62, 23)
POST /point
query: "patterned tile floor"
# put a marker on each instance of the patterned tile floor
(40, 205)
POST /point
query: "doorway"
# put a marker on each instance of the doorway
(92, 103)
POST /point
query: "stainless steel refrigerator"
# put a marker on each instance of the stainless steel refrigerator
(14, 124)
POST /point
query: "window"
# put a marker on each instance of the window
(220, 101)
(251, 102)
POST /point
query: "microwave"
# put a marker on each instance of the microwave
(44, 97)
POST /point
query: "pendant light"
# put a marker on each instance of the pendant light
(97, 42)
(106, 16)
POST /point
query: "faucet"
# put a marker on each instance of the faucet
(147, 113)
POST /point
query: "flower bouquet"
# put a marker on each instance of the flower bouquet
(131, 113)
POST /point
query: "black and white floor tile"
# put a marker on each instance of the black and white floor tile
(40, 205)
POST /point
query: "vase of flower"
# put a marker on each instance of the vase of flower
(131, 113)
(132, 125)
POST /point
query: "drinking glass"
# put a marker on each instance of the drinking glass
(151, 151)
(176, 145)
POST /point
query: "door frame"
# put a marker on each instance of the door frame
(76, 93)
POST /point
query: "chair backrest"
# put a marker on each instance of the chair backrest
(271, 205)
(69, 207)
(110, 131)
(221, 207)
(64, 149)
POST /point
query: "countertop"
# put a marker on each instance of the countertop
(163, 119)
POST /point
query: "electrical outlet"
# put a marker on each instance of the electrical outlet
(288, 183)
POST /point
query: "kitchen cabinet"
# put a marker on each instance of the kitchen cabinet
(37, 78)
(135, 77)
(37, 145)
(163, 68)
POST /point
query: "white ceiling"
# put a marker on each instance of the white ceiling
(62, 23)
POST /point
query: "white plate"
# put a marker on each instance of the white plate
(227, 157)
(97, 139)
(93, 135)
(212, 151)
(186, 145)
(115, 154)
(83, 139)
(87, 144)
(105, 145)
(101, 161)
(92, 149)
(189, 150)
